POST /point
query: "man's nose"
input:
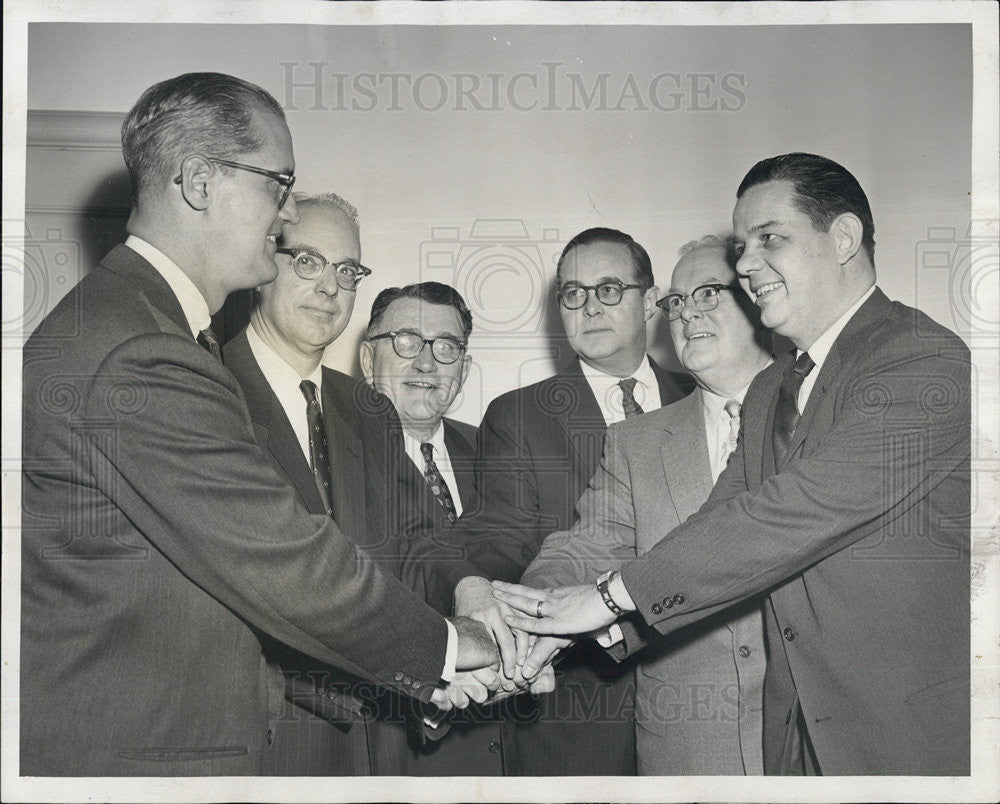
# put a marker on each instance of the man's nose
(290, 211)
(425, 361)
(689, 312)
(592, 306)
(326, 282)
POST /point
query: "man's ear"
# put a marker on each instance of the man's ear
(196, 170)
(367, 359)
(848, 232)
(649, 298)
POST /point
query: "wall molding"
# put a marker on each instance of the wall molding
(69, 130)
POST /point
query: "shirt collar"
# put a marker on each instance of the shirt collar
(598, 379)
(276, 371)
(412, 445)
(714, 404)
(824, 343)
(192, 303)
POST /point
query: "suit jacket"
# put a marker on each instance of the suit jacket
(861, 539)
(157, 539)
(342, 737)
(407, 518)
(537, 448)
(699, 697)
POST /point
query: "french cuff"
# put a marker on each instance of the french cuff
(612, 636)
(451, 653)
(619, 594)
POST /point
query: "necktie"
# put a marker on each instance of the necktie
(786, 414)
(732, 409)
(629, 405)
(319, 454)
(208, 340)
(436, 482)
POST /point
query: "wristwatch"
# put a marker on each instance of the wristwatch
(602, 587)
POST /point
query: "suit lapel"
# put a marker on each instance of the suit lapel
(460, 453)
(274, 432)
(684, 455)
(584, 422)
(152, 286)
(347, 463)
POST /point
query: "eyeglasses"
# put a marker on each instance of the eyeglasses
(705, 297)
(284, 180)
(573, 297)
(310, 265)
(408, 345)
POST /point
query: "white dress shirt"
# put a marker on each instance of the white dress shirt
(717, 426)
(188, 296)
(821, 348)
(441, 459)
(609, 393)
(284, 381)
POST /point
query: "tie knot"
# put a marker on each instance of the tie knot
(308, 389)
(733, 407)
(628, 386)
(427, 450)
(803, 365)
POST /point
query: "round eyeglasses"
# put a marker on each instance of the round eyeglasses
(408, 345)
(573, 296)
(705, 298)
(309, 265)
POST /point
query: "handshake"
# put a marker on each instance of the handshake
(495, 660)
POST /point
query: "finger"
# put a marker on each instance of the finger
(541, 655)
(441, 700)
(546, 681)
(457, 695)
(522, 642)
(506, 644)
(520, 590)
(488, 678)
(477, 692)
(525, 604)
(543, 626)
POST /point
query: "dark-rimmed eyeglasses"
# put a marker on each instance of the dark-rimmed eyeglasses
(310, 265)
(705, 298)
(573, 296)
(283, 180)
(408, 344)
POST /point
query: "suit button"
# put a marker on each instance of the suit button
(656, 609)
(668, 603)
(678, 599)
(789, 634)
(331, 693)
(407, 680)
(494, 747)
(397, 677)
(416, 684)
(744, 651)
(270, 736)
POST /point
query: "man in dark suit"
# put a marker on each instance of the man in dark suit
(538, 446)
(847, 501)
(157, 539)
(327, 725)
(415, 361)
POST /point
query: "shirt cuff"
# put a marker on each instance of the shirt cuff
(450, 653)
(612, 636)
(619, 594)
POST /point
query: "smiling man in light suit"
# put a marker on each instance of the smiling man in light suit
(699, 700)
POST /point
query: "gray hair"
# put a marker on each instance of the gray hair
(330, 201)
(711, 241)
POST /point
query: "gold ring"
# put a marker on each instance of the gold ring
(538, 610)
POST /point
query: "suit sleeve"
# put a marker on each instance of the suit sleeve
(899, 429)
(184, 467)
(603, 536)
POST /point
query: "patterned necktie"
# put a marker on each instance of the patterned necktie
(786, 413)
(629, 405)
(733, 409)
(319, 454)
(208, 340)
(436, 482)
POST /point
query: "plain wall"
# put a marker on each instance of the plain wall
(482, 192)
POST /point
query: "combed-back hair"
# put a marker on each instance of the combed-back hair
(823, 190)
(431, 292)
(194, 113)
(640, 259)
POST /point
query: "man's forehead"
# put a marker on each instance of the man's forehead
(425, 317)
(769, 203)
(702, 266)
(319, 228)
(596, 261)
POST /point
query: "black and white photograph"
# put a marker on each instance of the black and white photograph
(501, 401)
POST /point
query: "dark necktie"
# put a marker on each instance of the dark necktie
(319, 455)
(629, 405)
(786, 414)
(208, 340)
(436, 482)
